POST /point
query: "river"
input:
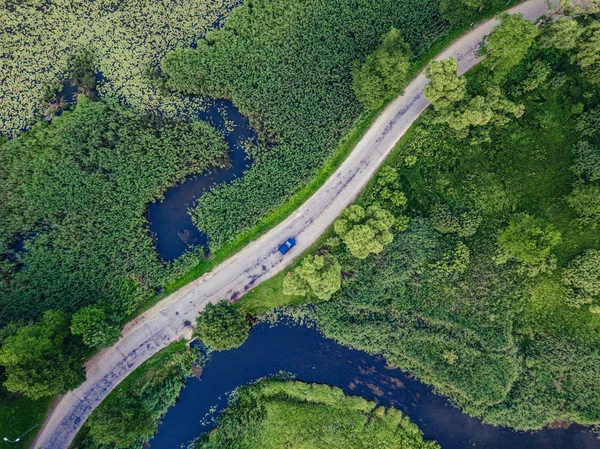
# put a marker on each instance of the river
(311, 357)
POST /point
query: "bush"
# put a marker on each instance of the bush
(95, 328)
(383, 74)
(316, 275)
(221, 326)
(582, 278)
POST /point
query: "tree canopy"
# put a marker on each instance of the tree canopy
(221, 326)
(316, 275)
(95, 328)
(445, 87)
(506, 46)
(382, 75)
(582, 278)
(43, 359)
(365, 231)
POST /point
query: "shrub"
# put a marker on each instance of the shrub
(317, 275)
(221, 326)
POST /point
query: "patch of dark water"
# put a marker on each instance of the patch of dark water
(169, 220)
(314, 358)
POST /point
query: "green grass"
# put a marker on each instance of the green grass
(18, 415)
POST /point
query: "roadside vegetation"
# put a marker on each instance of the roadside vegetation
(129, 416)
(274, 414)
(491, 292)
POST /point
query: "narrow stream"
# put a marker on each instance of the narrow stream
(314, 358)
(169, 220)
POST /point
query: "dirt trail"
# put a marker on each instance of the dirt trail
(171, 319)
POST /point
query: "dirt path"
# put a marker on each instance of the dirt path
(172, 318)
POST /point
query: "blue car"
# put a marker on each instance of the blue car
(289, 243)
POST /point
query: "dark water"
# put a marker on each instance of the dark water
(169, 219)
(313, 358)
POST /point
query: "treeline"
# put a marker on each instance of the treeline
(74, 192)
(288, 65)
(491, 292)
(275, 413)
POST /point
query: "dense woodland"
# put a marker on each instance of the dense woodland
(272, 414)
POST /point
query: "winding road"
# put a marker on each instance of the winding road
(172, 318)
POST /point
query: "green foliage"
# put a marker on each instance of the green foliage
(529, 241)
(445, 87)
(585, 201)
(500, 343)
(506, 46)
(275, 414)
(316, 275)
(363, 231)
(562, 34)
(588, 123)
(126, 39)
(582, 279)
(73, 190)
(222, 326)
(129, 416)
(42, 359)
(586, 164)
(445, 221)
(588, 56)
(383, 74)
(81, 70)
(95, 328)
(300, 105)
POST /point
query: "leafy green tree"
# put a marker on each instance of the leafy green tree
(493, 109)
(562, 34)
(383, 74)
(319, 275)
(529, 241)
(445, 87)
(506, 46)
(538, 76)
(588, 123)
(586, 164)
(585, 201)
(95, 328)
(588, 56)
(121, 422)
(82, 68)
(43, 359)
(222, 326)
(582, 278)
(363, 231)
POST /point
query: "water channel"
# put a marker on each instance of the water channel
(169, 220)
(311, 357)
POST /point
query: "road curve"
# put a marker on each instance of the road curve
(171, 319)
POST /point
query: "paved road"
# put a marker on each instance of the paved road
(172, 318)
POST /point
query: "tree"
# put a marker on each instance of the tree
(383, 74)
(506, 46)
(493, 109)
(585, 201)
(43, 359)
(445, 87)
(365, 231)
(222, 326)
(528, 241)
(95, 329)
(588, 123)
(562, 34)
(82, 70)
(582, 278)
(588, 56)
(586, 164)
(317, 274)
